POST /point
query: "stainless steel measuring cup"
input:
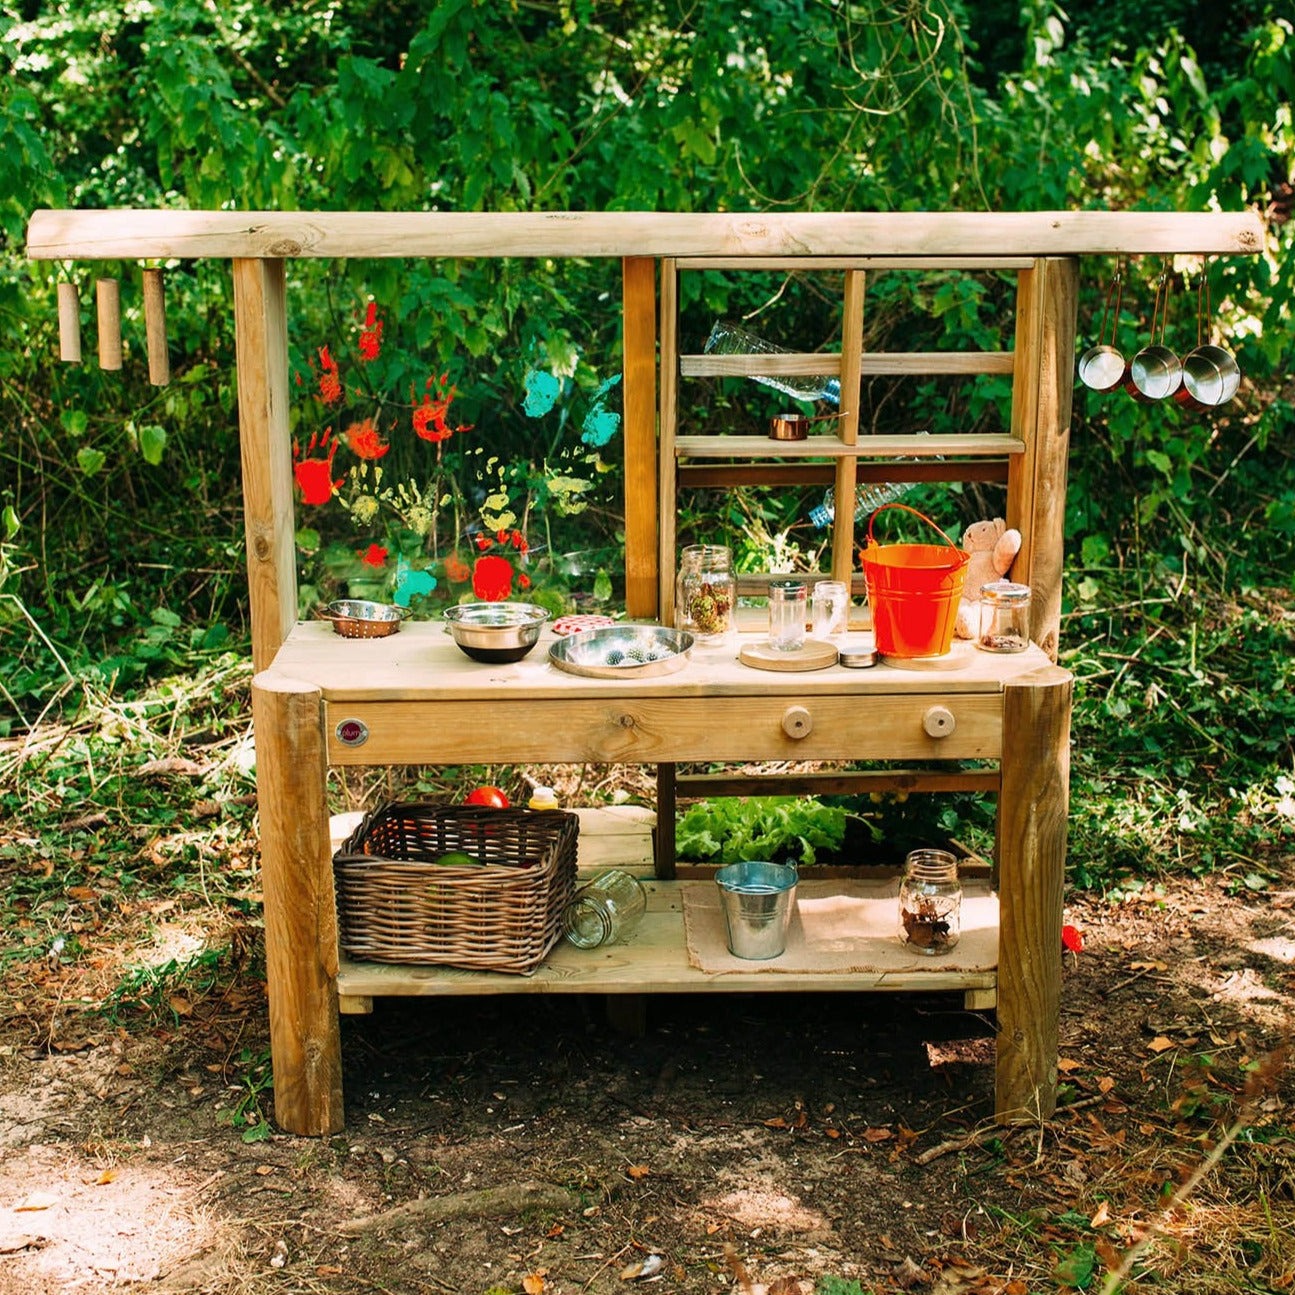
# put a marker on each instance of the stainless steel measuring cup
(1211, 374)
(1102, 367)
(1156, 372)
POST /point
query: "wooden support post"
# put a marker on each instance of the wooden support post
(159, 361)
(666, 810)
(261, 353)
(69, 324)
(844, 485)
(668, 429)
(1032, 812)
(627, 1014)
(639, 358)
(300, 910)
(1042, 390)
(107, 296)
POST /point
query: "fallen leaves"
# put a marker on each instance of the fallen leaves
(36, 1201)
(648, 1266)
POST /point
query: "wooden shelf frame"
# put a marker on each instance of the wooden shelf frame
(434, 707)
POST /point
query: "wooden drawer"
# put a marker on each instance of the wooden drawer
(651, 730)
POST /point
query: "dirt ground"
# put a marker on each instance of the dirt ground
(777, 1144)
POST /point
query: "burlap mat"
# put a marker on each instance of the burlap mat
(840, 926)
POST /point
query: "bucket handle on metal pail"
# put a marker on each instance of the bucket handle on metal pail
(872, 543)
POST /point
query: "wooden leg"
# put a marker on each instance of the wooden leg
(1032, 810)
(664, 836)
(627, 1014)
(300, 911)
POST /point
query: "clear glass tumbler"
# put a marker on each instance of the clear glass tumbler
(831, 608)
(787, 608)
(605, 911)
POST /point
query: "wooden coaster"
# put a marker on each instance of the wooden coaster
(957, 657)
(814, 655)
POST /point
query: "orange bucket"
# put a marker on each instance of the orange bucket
(913, 590)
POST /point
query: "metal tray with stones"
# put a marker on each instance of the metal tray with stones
(623, 652)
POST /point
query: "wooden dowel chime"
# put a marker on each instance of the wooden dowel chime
(69, 324)
(159, 361)
(108, 302)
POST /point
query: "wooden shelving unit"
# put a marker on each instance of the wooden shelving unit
(420, 702)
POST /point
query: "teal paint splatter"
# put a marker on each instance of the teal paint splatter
(600, 423)
(542, 391)
(599, 426)
(410, 583)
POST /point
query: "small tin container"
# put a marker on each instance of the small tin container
(1004, 617)
(857, 658)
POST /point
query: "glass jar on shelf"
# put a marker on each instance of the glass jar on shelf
(1004, 617)
(605, 911)
(787, 605)
(930, 902)
(707, 591)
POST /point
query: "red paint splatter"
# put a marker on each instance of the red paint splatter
(330, 382)
(314, 474)
(374, 556)
(370, 343)
(365, 440)
(492, 579)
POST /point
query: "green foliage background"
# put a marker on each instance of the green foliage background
(120, 548)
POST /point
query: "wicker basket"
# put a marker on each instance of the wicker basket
(395, 903)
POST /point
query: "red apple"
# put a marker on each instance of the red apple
(491, 797)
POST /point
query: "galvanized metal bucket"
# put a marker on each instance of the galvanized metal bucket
(757, 899)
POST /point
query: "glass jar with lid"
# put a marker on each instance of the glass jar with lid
(707, 591)
(1004, 617)
(930, 902)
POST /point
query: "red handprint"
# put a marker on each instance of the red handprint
(315, 475)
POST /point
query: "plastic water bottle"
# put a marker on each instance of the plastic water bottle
(868, 497)
(730, 339)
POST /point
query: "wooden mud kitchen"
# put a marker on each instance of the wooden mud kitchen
(414, 698)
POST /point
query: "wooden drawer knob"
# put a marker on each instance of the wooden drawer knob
(939, 721)
(797, 722)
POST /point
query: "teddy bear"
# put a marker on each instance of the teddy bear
(993, 546)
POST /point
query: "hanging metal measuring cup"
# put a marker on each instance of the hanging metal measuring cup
(1102, 367)
(1211, 374)
(1156, 372)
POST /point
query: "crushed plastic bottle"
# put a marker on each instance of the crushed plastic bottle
(731, 339)
(868, 497)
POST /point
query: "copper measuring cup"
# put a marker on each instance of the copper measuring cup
(795, 427)
(1211, 374)
(1102, 367)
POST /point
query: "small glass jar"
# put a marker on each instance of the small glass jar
(707, 591)
(605, 911)
(688, 560)
(831, 608)
(787, 607)
(930, 902)
(1004, 617)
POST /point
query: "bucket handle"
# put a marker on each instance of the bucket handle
(915, 513)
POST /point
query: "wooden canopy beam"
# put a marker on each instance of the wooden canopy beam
(132, 234)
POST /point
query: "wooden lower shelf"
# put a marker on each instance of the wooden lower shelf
(656, 958)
